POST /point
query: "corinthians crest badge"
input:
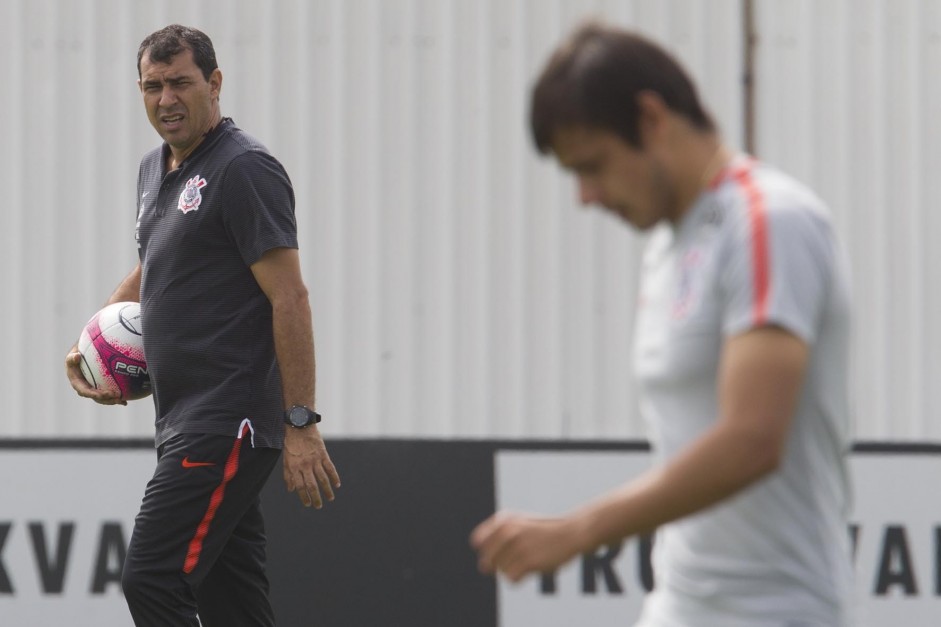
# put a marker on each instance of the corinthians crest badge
(191, 196)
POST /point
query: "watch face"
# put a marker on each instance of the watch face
(299, 417)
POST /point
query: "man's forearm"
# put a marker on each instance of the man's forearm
(294, 347)
(722, 463)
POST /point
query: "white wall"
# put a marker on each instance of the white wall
(456, 289)
(849, 93)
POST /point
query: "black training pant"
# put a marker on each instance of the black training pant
(199, 540)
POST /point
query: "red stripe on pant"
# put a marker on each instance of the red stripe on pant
(196, 544)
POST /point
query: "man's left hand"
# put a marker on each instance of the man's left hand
(308, 469)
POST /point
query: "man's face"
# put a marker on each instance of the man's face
(629, 182)
(181, 104)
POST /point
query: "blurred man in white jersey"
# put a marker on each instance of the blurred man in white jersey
(740, 352)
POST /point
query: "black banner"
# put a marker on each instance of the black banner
(392, 549)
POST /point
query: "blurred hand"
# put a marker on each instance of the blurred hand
(518, 545)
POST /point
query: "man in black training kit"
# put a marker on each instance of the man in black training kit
(229, 344)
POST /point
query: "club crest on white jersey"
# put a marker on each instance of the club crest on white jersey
(689, 288)
(191, 196)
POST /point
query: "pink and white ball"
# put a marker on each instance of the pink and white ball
(112, 351)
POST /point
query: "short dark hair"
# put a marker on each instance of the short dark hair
(171, 40)
(594, 77)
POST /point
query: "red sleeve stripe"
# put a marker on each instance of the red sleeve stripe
(761, 262)
(196, 544)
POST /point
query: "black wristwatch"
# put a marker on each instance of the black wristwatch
(300, 416)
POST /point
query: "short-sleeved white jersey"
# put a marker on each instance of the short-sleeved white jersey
(756, 249)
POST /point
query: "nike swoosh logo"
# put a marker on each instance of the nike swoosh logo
(188, 464)
(144, 195)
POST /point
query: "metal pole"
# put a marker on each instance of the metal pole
(748, 78)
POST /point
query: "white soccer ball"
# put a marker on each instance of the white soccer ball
(112, 351)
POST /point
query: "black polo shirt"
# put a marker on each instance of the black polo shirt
(207, 325)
